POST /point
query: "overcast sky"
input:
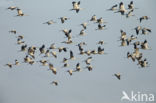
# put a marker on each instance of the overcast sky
(31, 84)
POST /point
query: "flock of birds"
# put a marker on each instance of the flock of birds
(52, 51)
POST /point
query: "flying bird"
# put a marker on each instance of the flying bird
(63, 19)
(54, 83)
(49, 22)
(118, 76)
(93, 18)
(131, 5)
(72, 55)
(144, 18)
(12, 8)
(13, 31)
(51, 67)
(76, 6)
(113, 8)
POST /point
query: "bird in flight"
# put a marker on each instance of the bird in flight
(49, 22)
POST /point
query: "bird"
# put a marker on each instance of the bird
(128, 55)
(67, 33)
(54, 83)
(143, 63)
(44, 62)
(123, 42)
(137, 29)
(63, 19)
(146, 31)
(13, 31)
(84, 25)
(137, 43)
(76, 6)
(100, 50)
(12, 7)
(27, 59)
(42, 49)
(88, 60)
(93, 18)
(122, 9)
(123, 35)
(20, 37)
(65, 60)
(144, 45)
(31, 51)
(101, 42)
(31, 62)
(19, 41)
(137, 54)
(49, 22)
(100, 20)
(9, 65)
(80, 48)
(51, 67)
(52, 46)
(132, 37)
(62, 49)
(24, 47)
(118, 76)
(113, 8)
(70, 72)
(47, 53)
(144, 18)
(88, 52)
(130, 13)
(20, 12)
(133, 56)
(131, 6)
(54, 54)
(72, 55)
(101, 27)
(82, 32)
(69, 41)
(78, 68)
(94, 52)
(89, 67)
(66, 65)
(16, 62)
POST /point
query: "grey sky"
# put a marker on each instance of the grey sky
(31, 84)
